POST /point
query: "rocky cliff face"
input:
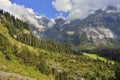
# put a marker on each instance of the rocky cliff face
(99, 27)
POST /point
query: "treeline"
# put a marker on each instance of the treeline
(13, 24)
(19, 30)
(31, 40)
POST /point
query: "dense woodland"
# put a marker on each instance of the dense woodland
(72, 67)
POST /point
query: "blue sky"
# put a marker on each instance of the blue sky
(43, 7)
(71, 9)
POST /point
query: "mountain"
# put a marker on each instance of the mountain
(42, 25)
(102, 27)
(99, 28)
(24, 56)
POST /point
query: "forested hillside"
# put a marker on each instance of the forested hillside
(19, 30)
(23, 53)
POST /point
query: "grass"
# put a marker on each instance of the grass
(5, 32)
(75, 65)
(3, 29)
(14, 66)
(94, 56)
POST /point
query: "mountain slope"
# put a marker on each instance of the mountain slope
(9, 62)
(48, 62)
(102, 27)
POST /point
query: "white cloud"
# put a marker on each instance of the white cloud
(60, 17)
(62, 5)
(19, 11)
(51, 23)
(79, 9)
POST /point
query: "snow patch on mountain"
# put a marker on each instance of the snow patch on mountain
(98, 33)
(70, 32)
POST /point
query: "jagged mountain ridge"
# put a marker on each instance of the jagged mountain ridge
(102, 26)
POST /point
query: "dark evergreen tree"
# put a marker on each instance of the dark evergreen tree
(117, 71)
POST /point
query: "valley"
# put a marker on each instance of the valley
(61, 52)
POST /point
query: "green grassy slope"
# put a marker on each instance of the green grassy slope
(74, 66)
(55, 61)
(14, 65)
(94, 56)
